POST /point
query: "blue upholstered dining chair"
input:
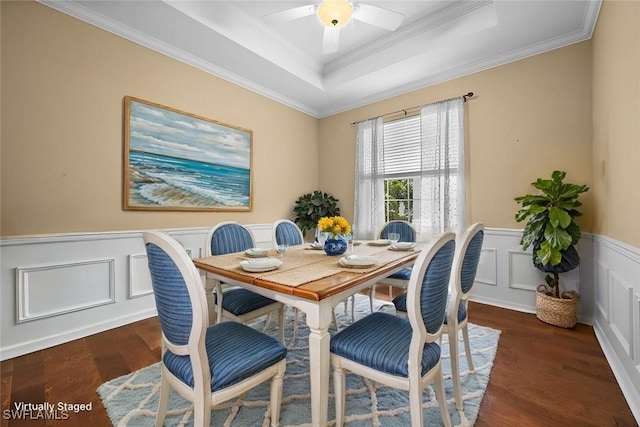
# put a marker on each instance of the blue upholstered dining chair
(399, 279)
(206, 364)
(463, 276)
(236, 303)
(402, 352)
(287, 231)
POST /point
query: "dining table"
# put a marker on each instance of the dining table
(314, 283)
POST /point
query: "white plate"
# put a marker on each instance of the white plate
(257, 252)
(259, 265)
(345, 264)
(316, 246)
(361, 261)
(380, 242)
(402, 246)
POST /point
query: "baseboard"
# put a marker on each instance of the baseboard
(629, 389)
(30, 346)
(502, 304)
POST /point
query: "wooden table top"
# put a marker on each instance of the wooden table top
(298, 260)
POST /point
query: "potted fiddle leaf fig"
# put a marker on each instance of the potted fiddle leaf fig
(310, 207)
(552, 233)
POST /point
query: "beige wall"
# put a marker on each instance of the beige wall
(63, 83)
(616, 121)
(527, 118)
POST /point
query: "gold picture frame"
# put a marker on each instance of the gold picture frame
(178, 161)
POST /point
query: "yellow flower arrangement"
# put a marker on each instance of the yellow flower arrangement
(334, 224)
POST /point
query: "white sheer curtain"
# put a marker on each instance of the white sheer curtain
(441, 195)
(431, 155)
(369, 197)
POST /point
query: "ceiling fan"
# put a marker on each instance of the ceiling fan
(334, 14)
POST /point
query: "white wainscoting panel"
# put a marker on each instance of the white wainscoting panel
(487, 272)
(636, 332)
(62, 287)
(521, 275)
(516, 279)
(139, 277)
(602, 291)
(617, 315)
(621, 309)
(55, 289)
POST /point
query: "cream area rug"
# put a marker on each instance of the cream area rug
(131, 400)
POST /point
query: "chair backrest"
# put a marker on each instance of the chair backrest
(428, 288)
(228, 237)
(178, 292)
(405, 229)
(286, 231)
(466, 261)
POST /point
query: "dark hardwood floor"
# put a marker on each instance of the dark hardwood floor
(542, 376)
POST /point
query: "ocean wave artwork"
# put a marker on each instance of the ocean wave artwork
(178, 161)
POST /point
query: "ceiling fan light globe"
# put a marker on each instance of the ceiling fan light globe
(334, 13)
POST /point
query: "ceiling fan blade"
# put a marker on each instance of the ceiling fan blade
(330, 40)
(374, 15)
(290, 14)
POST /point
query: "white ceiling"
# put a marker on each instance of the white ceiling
(437, 41)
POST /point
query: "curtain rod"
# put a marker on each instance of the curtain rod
(464, 99)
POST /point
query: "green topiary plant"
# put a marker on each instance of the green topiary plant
(310, 207)
(551, 229)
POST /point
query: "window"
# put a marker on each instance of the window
(398, 199)
(413, 172)
(412, 169)
(401, 150)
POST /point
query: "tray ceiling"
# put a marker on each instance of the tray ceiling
(437, 41)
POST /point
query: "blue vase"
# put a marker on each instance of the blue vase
(335, 246)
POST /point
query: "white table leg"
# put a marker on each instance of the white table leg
(319, 369)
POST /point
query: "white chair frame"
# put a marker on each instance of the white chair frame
(457, 297)
(414, 383)
(389, 281)
(200, 395)
(219, 287)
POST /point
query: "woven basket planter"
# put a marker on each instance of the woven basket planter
(557, 311)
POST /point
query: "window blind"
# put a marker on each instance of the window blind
(412, 148)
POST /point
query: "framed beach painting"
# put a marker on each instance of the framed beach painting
(179, 161)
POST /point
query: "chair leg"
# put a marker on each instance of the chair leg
(219, 308)
(353, 308)
(281, 324)
(442, 400)
(454, 356)
(209, 289)
(415, 402)
(372, 291)
(202, 411)
(294, 336)
(276, 395)
(467, 348)
(339, 388)
(163, 400)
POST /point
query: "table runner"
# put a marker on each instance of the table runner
(303, 265)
